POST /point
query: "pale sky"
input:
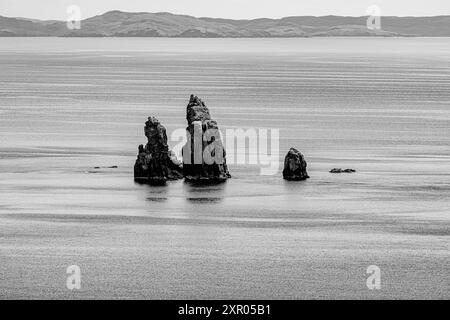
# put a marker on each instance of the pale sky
(237, 9)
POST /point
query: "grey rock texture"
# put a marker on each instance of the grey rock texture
(204, 156)
(155, 163)
(294, 166)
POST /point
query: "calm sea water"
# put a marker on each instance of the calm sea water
(380, 106)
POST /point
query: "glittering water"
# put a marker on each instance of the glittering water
(380, 106)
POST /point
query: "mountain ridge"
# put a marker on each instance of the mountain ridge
(117, 23)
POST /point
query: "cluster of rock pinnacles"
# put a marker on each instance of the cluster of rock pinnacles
(156, 163)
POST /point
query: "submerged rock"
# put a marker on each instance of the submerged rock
(294, 166)
(155, 163)
(111, 167)
(204, 156)
(339, 170)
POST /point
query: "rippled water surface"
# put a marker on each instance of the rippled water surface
(380, 106)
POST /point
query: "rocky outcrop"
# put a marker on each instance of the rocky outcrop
(204, 156)
(155, 163)
(294, 166)
(339, 170)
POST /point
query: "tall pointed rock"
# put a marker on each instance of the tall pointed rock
(155, 163)
(204, 156)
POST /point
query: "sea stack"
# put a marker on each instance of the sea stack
(204, 156)
(155, 163)
(294, 166)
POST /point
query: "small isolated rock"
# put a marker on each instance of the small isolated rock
(294, 166)
(111, 167)
(340, 170)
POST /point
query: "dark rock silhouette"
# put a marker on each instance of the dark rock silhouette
(339, 170)
(204, 156)
(155, 163)
(294, 166)
(111, 167)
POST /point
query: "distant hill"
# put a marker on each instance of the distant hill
(163, 24)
